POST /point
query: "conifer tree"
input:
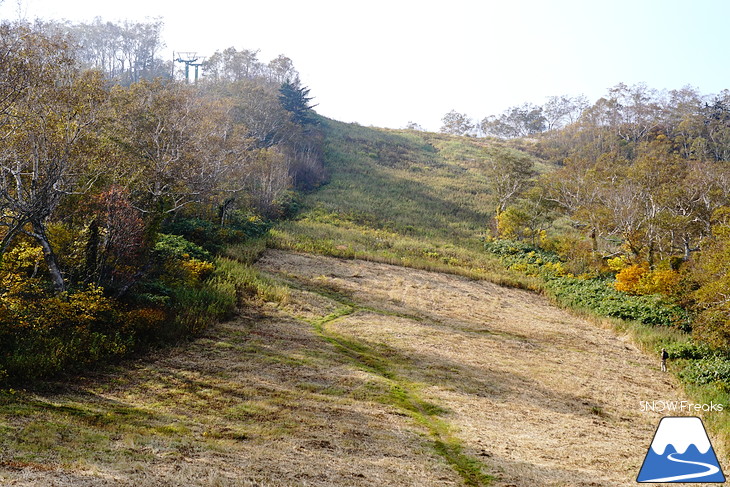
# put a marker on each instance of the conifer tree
(295, 99)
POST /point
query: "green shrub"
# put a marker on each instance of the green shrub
(248, 251)
(596, 294)
(714, 369)
(688, 350)
(176, 247)
(197, 308)
(43, 335)
(247, 282)
(213, 237)
(599, 296)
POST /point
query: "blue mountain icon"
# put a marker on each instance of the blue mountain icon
(680, 452)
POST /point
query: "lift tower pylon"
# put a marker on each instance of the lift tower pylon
(189, 59)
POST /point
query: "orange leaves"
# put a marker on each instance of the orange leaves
(639, 279)
(627, 280)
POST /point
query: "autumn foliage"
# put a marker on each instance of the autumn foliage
(101, 164)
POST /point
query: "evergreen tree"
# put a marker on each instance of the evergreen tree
(295, 99)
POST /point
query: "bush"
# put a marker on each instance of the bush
(44, 334)
(639, 279)
(714, 369)
(183, 291)
(712, 326)
(595, 294)
(181, 262)
(688, 350)
(599, 296)
(213, 237)
(660, 281)
(176, 247)
(197, 308)
(627, 280)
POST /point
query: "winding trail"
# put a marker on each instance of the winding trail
(711, 470)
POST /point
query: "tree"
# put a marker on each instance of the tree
(295, 99)
(455, 123)
(578, 188)
(528, 217)
(47, 152)
(179, 148)
(126, 52)
(115, 242)
(518, 121)
(713, 276)
(560, 111)
(717, 126)
(281, 69)
(508, 172)
(234, 65)
(699, 189)
(682, 118)
(257, 107)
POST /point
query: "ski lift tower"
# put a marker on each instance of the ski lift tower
(189, 59)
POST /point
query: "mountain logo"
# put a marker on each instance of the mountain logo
(681, 452)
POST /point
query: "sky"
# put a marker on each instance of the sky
(389, 62)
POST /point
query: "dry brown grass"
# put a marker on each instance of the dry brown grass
(544, 397)
(262, 401)
(538, 396)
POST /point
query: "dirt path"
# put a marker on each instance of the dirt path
(355, 381)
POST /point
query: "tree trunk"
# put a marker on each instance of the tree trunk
(687, 249)
(650, 255)
(92, 252)
(594, 241)
(39, 233)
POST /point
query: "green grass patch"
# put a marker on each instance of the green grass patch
(470, 470)
(407, 198)
(242, 282)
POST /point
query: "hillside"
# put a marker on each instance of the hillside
(408, 198)
(357, 371)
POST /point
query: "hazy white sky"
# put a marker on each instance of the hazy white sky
(387, 62)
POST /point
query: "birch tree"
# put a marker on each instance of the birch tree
(50, 117)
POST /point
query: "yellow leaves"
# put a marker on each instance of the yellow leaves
(555, 268)
(639, 279)
(617, 264)
(187, 271)
(84, 307)
(144, 319)
(26, 301)
(721, 221)
(512, 224)
(662, 281)
(22, 258)
(628, 279)
(197, 270)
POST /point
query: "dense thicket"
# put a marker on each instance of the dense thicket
(118, 183)
(640, 191)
